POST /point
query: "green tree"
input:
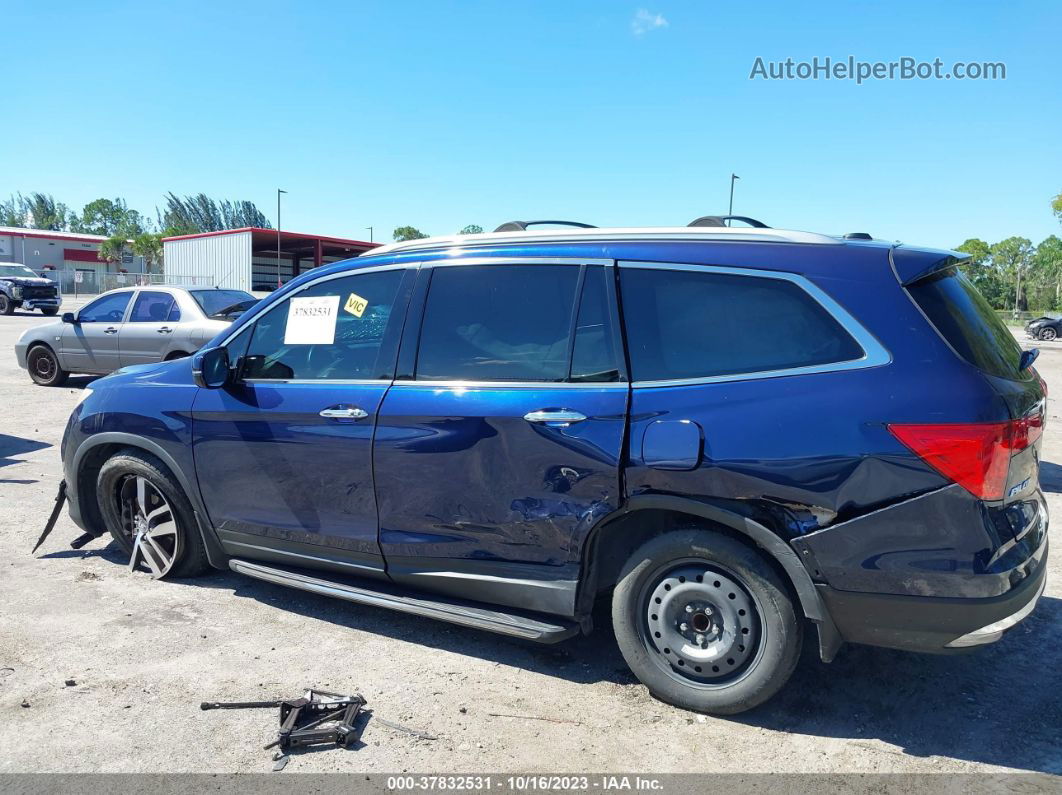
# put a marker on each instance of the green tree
(1047, 267)
(1056, 207)
(111, 249)
(14, 211)
(408, 233)
(200, 213)
(106, 217)
(1012, 258)
(148, 246)
(46, 213)
(472, 229)
(980, 270)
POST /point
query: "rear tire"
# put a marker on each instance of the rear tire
(175, 355)
(705, 622)
(148, 514)
(7, 306)
(43, 366)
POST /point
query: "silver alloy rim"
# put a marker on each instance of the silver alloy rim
(149, 522)
(702, 626)
(1048, 334)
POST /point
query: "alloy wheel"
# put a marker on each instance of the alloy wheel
(1048, 334)
(150, 524)
(702, 626)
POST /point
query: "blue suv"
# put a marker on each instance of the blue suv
(737, 436)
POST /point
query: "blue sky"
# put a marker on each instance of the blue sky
(443, 114)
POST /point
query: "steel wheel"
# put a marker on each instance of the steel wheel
(150, 524)
(44, 367)
(702, 626)
(1048, 334)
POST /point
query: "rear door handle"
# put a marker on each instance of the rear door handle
(110, 330)
(344, 413)
(558, 418)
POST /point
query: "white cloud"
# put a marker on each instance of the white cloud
(645, 21)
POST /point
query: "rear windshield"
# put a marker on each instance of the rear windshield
(213, 302)
(965, 319)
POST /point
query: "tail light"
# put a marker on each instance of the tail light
(974, 455)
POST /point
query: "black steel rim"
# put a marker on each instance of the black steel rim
(44, 366)
(700, 624)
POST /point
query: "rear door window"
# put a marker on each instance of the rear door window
(967, 321)
(498, 323)
(151, 307)
(688, 324)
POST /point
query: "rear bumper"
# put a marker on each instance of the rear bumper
(931, 624)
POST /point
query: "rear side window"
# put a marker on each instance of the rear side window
(152, 307)
(966, 320)
(699, 324)
(498, 323)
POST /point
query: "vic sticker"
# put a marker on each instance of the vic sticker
(356, 305)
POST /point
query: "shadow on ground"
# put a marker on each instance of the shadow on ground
(1051, 477)
(1001, 705)
(12, 446)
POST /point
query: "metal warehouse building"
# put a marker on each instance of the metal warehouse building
(246, 259)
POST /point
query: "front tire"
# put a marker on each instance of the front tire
(43, 366)
(705, 622)
(149, 515)
(7, 306)
(1048, 334)
(49, 311)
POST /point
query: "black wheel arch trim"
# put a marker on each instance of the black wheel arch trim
(811, 602)
(216, 556)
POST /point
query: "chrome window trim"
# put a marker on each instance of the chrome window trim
(874, 353)
(458, 259)
(320, 381)
(339, 275)
(610, 385)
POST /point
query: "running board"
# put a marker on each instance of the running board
(540, 630)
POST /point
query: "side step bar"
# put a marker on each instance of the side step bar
(541, 630)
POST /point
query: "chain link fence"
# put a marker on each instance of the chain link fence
(91, 282)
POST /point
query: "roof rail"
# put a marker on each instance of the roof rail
(611, 235)
(521, 226)
(720, 220)
(858, 236)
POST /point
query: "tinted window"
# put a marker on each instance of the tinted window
(594, 357)
(498, 323)
(151, 307)
(213, 302)
(690, 324)
(175, 313)
(343, 340)
(107, 309)
(966, 320)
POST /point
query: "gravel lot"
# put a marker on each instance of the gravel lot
(143, 654)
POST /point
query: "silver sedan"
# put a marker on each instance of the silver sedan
(133, 325)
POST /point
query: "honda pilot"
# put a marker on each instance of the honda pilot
(741, 438)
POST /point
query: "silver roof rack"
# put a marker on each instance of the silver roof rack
(649, 233)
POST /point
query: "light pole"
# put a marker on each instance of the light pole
(370, 233)
(730, 210)
(279, 191)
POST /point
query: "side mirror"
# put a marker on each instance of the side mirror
(68, 317)
(210, 368)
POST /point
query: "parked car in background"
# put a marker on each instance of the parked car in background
(21, 287)
(503, 430)
(133, 325)
(1046, 328)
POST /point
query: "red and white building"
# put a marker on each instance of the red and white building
(62, 252)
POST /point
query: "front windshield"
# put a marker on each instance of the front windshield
(213, 301)
(16, 270)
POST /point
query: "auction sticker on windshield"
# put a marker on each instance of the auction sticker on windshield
(312, 321)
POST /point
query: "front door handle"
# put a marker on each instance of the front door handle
(164, 330)
(556, 418)
(344, 413)
(110, 330)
